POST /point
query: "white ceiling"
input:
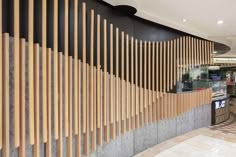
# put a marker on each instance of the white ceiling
(201, 17)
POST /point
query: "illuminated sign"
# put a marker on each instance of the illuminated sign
(219, 104)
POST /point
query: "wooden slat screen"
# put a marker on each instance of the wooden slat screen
(117, 83)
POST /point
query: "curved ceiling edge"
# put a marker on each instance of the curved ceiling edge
(221, 46)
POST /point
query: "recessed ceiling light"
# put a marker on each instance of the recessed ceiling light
(184, 20)
(219, 22)
(214, 52)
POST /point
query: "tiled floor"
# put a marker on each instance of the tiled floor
(217, 141)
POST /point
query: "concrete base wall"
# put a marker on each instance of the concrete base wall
(143, 138)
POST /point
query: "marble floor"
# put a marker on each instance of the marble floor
(215, 141)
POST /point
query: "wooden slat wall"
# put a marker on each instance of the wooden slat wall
(139, 95)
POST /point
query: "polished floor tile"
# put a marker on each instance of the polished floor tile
(201, 146)
(213, 141)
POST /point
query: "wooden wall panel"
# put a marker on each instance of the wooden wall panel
(141, 99)
(141, 102)
(178, 59)
(187, 53)
(200, 52)
(192, 52)
(181, 57)
(149, 84)
(76, 102)
(136, 85)
(212, 49)
(84, 93)
(127, 102)
(49, 109)
(60, 105)
(164, 68)
(36, 149)
(132, 92)
(99, 108)
(145, 83)
(117, 85)
(70, 104)
(44, 69)
(1, 74)
(105, 78)
(88, 112)
(66, 60)
(22, 99)
(171, 64)
(161, 67)
(94, 132)
(122, 85)
(184, 54)
(5, 97)
(168, 66)
(91, 76)
(153, 84)
(157, 82)
(175, 65)
(55, 67)
(112, 129)
(205, 52)
(16, 73)
(157, 69)
(78, 136)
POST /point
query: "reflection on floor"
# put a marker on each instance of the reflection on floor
(215, 141)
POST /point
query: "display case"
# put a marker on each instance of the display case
(219, 88)
(220, 110)
(195, 79)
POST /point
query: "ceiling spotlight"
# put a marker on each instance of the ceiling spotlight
(214, 52)
(219, 22)
(184, 20)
